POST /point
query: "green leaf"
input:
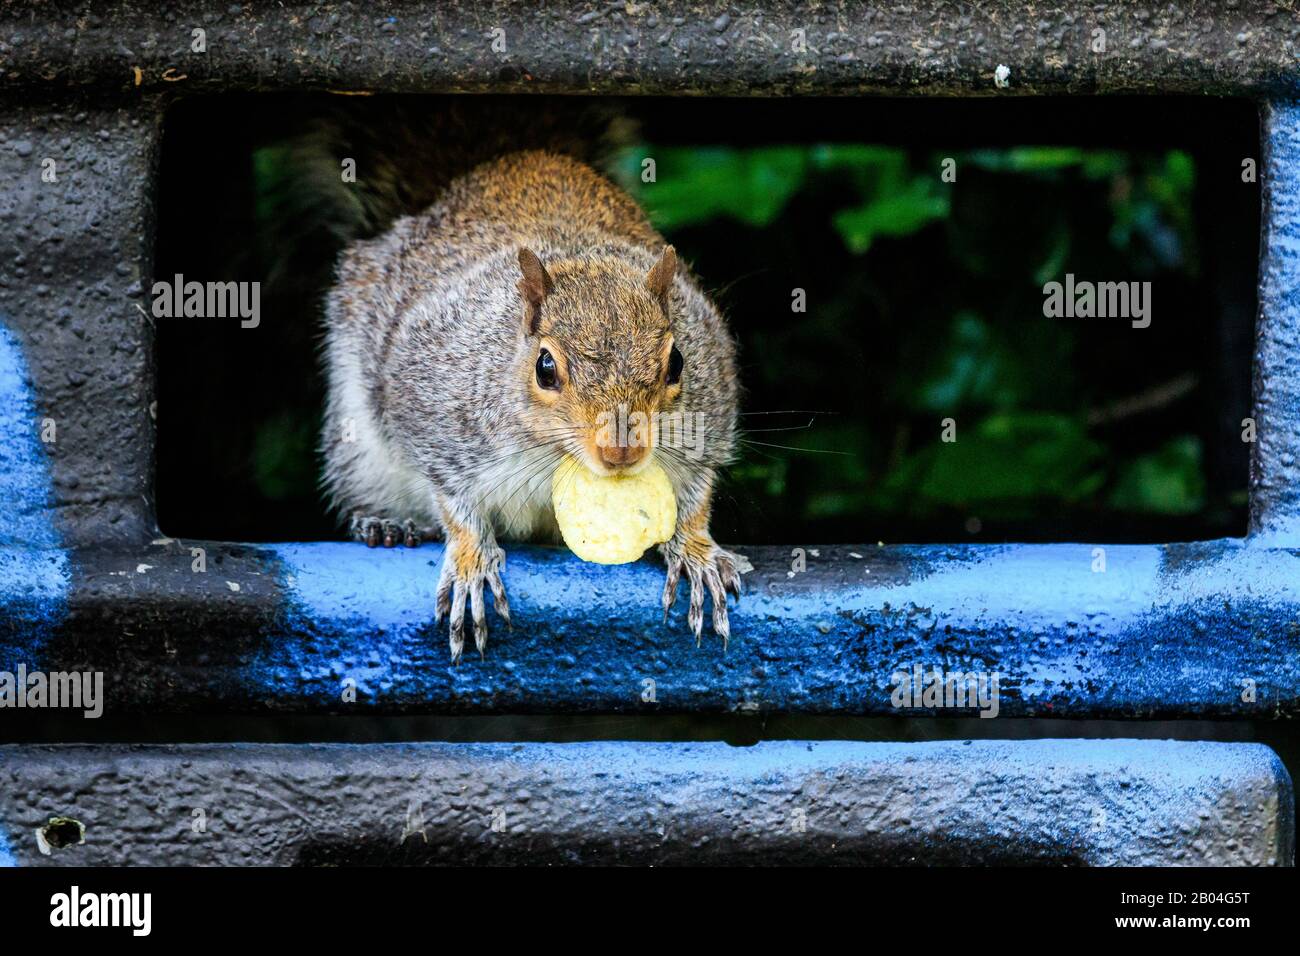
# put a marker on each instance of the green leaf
(899, 214)
(1005, 459)
(694, 185)
(1167, 481)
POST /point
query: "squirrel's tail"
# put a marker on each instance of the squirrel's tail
(349, 166)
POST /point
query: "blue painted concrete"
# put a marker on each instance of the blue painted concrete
(6, 855)
(1162, 627)
(34, 572)
(24, 469)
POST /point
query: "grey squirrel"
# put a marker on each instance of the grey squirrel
(473, 343)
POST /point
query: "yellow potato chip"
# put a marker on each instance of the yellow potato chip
(612, 520)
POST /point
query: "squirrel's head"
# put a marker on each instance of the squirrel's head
(597, 355)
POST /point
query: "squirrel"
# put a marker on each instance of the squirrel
(471, 346)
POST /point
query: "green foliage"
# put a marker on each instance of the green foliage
(753, 186)
(1167, 481)
(899, 214)
(697, 184)
(895, 198)
(1012, 459)
(1024, 440)
(978, 366)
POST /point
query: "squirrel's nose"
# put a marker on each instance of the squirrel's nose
(620, 456)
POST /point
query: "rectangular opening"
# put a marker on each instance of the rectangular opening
(921, 238)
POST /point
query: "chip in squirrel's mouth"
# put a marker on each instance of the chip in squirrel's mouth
(612, 519)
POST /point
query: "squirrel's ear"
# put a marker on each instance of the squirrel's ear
(660, 279)
(535, 286)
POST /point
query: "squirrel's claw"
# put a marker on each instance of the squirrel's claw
(710, 571)
(670, 585)
(442, 603)
(729, 574)
(374, 531)
(461, 583)
(457, 641)
(695, 609)
(721, 626)
(499, 593)
(479, 614)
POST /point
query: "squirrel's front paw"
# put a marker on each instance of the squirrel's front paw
(706, 566)
(465, 569)
(374, 531)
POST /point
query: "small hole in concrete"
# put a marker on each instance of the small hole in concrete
(62, 832)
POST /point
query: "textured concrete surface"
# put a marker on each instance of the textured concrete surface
(772, 47)
(1275, 464)
(1056, 802)
(73, 254)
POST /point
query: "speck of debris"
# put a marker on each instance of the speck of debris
(232, 585)
(142, 568)
(854, 554)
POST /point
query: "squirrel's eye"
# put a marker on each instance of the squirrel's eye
(675, 363)
(546, 374)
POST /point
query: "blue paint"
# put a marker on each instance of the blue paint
(1161, 629)
(1187, 765)
(24, 469)
(343, 583)
(7, 858)
(381, 599)
(373, 609)
(34, 571)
